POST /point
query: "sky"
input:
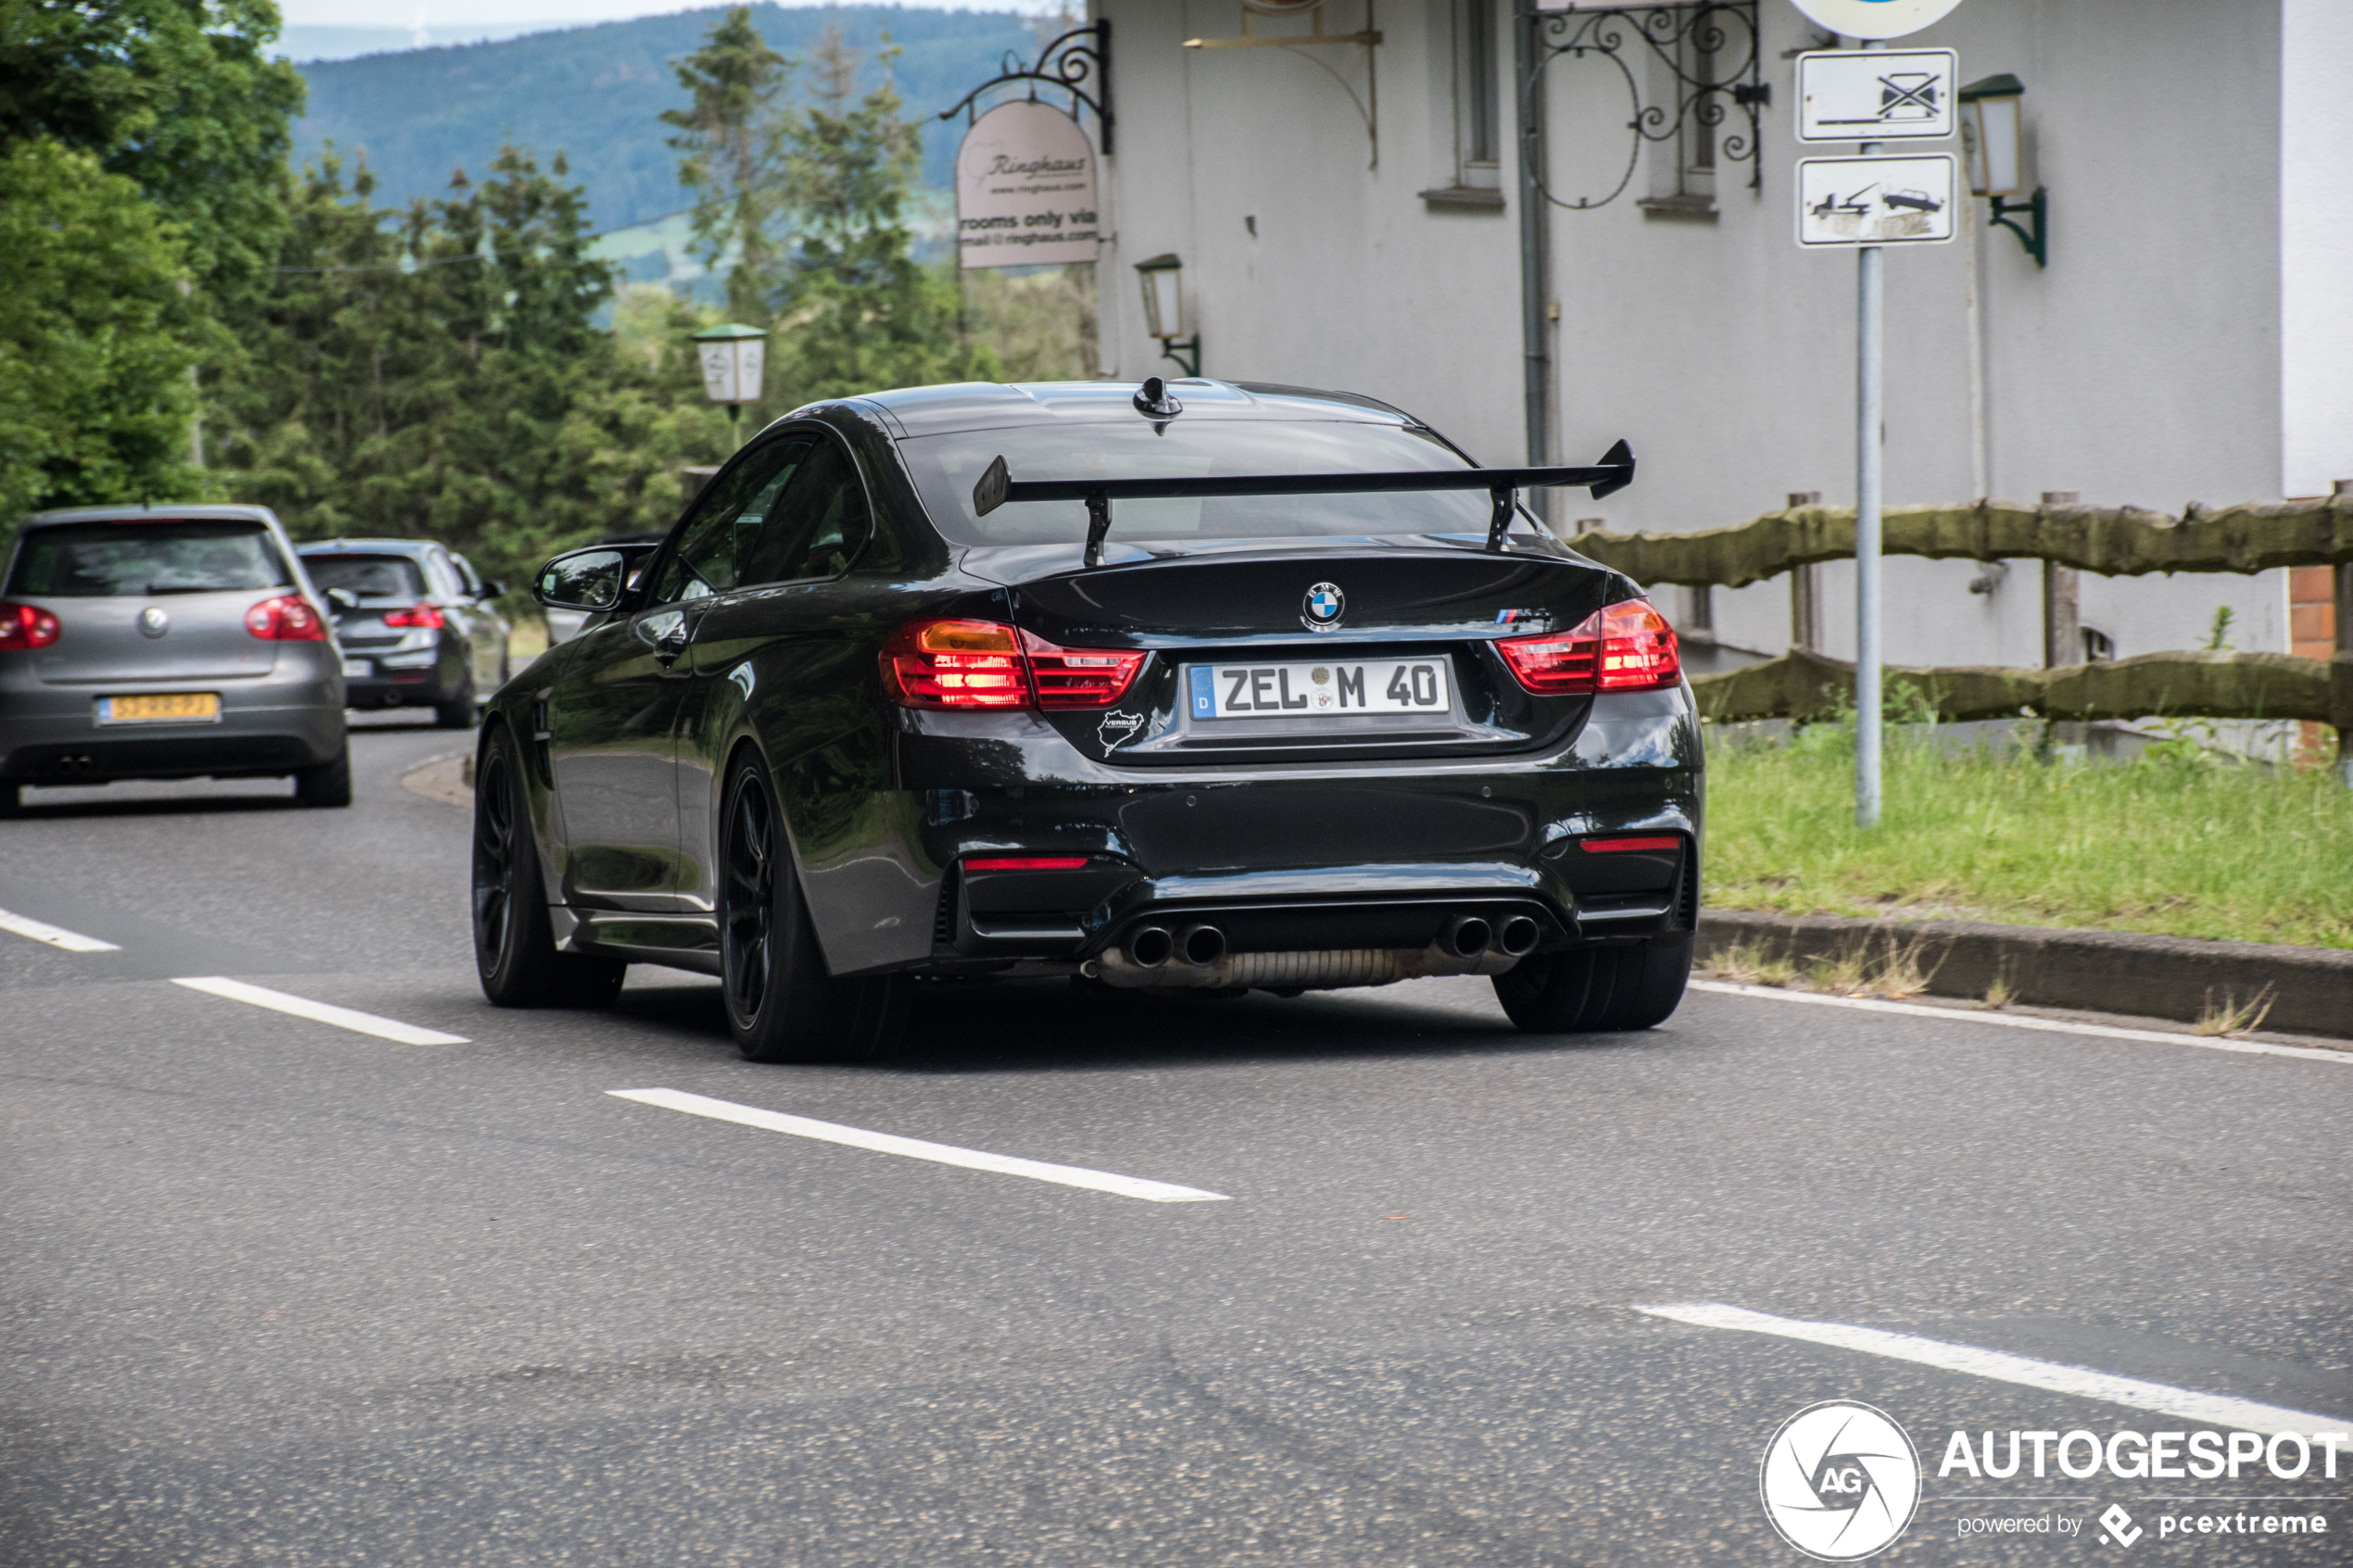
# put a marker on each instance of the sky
(467, 15)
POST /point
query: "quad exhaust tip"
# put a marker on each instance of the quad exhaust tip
(1520, 935)
(1201, 946)
(1151, 947)
(1467, 936)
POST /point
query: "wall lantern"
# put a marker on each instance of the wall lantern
(734, 357)
(1164, 277)
(1990, 139)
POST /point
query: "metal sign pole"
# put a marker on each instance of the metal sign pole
(1870, 295)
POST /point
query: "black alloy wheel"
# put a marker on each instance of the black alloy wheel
(1593, 990)
(783, 1004)
(514, 944)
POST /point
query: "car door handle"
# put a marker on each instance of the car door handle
(671, 644)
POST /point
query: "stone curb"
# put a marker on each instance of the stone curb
(2116, 972)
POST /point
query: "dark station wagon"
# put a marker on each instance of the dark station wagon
(1186, 686)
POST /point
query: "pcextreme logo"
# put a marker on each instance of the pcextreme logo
(1839, 1481)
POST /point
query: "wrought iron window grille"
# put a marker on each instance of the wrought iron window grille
(1723, 31)
(1077, 63)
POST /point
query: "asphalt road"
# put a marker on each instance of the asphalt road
(279, 1292)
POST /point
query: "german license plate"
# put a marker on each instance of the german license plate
(1321, 689)
(358, 668)
(166, 708)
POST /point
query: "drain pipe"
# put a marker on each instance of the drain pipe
(1527, 56)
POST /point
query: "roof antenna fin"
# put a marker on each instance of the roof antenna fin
(1153, 399)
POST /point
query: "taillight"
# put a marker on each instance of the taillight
(1026, 863)
(289, 618)
(1625, 646)
(955, 664)
(989, 664)
(426, 618)
(26, 626)
(1078, 677)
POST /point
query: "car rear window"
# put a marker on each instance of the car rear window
(946, 467)
(100, 560)
(371, 577)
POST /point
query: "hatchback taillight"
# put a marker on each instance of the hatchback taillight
(964, 664)
(289, 618)
(26, 626)
(423, 616)
(1625, 646)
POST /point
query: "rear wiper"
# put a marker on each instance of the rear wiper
(996, 486)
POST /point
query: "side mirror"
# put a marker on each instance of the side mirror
(592, 579)
(342, 601)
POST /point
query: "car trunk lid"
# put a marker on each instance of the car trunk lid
(1346, 649)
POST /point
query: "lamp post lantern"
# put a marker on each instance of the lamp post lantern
(1163, 279)
(1990, 137)
(734, 358)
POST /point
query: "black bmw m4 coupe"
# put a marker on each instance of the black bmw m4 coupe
(1187, 686)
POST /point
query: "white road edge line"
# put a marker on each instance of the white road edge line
(2006, 1020)
(918, 1149)
(56, 935)
(322, 1013)
(2186, 1403)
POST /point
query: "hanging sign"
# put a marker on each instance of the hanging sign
(1875, 19)
(1875, 95)
(1026, 189)
(1876, 201)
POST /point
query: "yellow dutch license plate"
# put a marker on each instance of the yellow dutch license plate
(163, 708)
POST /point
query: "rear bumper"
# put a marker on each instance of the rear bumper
(290, 720)
(1342, 862)
(416, 679)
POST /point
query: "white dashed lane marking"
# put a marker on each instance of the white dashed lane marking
(322, 1013)
(56, 935)
(918, 1149)
(2216, 1409)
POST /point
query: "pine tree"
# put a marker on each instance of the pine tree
(733, 141)
(439, 372)
(857, 311)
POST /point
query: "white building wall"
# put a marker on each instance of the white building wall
(2143, 366)
(2316, 245)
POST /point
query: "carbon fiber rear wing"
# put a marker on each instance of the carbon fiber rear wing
(996, 486)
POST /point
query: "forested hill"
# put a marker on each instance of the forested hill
(593, 92)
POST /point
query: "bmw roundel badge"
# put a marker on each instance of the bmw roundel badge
(1322, 607)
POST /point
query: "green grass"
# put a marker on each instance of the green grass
(2182, 847)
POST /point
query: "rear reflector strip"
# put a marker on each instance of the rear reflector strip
(1623, 846)
(1030, 863)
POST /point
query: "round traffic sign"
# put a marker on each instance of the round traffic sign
(1875, 19)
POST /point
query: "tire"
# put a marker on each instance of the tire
(458, 713)
(782, 1003)
(514, 946)
(329, 783)
(11, 799)
(1589, 990)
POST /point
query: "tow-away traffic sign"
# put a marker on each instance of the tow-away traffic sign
(1876, 94)
(1876, 201)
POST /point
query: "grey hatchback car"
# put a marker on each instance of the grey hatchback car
(171, 643)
